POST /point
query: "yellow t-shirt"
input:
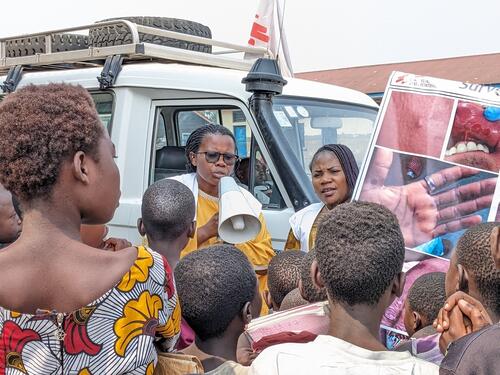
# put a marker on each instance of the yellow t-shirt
(259, 251)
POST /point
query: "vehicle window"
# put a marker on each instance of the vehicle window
(104, 105)
(309, 124)
(263, 184)
(161, 134)
(170, 159)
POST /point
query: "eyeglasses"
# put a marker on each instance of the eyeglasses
(214, 157)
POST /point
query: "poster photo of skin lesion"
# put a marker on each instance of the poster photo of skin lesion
(433, 161)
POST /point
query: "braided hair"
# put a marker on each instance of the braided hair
(196, 138)
(347, 162)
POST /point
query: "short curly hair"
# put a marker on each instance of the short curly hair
(474, 254)
(310, 292)
(359, 249)
(213, 285)
(283, 274)
(40, 128)
(428, 294)
(168, 209)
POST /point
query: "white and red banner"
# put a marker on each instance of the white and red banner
(267, 32)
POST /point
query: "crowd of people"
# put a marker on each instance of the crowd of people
(73, 301)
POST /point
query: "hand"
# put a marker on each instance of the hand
(461, 315)
(422, 216)
(477, 316)
(209, 230)
(115, 244)
(245, 356)
(244, 352)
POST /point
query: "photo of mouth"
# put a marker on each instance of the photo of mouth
(474, 139)
(416, 123)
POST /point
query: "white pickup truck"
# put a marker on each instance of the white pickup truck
(153, 86)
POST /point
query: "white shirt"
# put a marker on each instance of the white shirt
(330, 355)
(302, 221)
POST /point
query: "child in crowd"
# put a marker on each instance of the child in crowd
(219, 295)
(310, 292)
(359, 259)
(293, 299)
(425, 298)
(473, 270)
(283, 277)
(10, 223)
(167, 221)
(58, 160)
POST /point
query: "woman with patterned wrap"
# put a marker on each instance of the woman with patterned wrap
(66, 307)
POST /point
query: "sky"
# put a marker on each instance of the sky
(322, 34)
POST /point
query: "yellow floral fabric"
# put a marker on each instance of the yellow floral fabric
(139, 272)
(138, 314)
(115, 334)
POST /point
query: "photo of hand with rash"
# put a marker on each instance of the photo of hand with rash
(432, 199)
(415, 123)
(475, 137)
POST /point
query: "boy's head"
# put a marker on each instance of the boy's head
(359, 254)
(473, 269)
(283, 276)
(293, 299)
(310, 292)
(218, 291)
(168, 211)
(425, 298)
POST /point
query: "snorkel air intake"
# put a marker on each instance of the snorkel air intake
(265, 81)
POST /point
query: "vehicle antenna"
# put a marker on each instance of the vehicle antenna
(281, 20)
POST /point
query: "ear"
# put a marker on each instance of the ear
(246, 313)
(417, 321)
(495, 245)
(80, 167)
(316, 275)
(192, 158)
(140, 227)
(399, 284)
(463, 279)
(268, 299)
(301, 289)
(192, 229)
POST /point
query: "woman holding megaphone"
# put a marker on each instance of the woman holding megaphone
(211, 155)
(333, 172)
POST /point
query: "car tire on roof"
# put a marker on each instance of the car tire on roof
(118, 34)
(32, 45)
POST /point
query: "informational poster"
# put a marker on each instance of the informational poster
(433, 161)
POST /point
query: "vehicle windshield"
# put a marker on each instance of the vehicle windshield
(309, 124)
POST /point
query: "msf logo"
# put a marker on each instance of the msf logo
(258, 33)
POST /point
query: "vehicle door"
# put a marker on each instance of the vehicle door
(175, 120)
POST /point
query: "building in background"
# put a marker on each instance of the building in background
(372, 79)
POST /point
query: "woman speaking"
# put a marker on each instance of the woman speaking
(211, 155)
(334, 172)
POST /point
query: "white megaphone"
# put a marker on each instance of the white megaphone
(238, 218)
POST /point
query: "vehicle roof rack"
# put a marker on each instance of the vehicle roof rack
(136, 51)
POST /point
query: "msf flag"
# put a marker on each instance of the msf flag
(267, 32)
